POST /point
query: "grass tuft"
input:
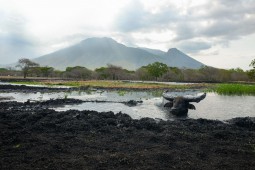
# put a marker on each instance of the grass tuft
(234, 89)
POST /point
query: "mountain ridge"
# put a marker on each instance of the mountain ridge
(97, 52)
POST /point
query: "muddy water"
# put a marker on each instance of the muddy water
(224, 107)
(212, 107)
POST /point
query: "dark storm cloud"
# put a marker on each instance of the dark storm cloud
(218, 21)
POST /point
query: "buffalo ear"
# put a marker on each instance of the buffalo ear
(168, 104)
(192, 107)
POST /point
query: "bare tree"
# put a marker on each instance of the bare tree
(114, 71)
(78, 72)
(25, 65)
(251, 73)
(253, 63)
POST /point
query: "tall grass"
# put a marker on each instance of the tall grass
(234, 89)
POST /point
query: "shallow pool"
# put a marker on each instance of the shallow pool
(212, 107)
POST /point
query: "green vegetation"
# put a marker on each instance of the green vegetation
(234, 89)
(111, 76)
(3, 69)
(157, 69)
(157, 93)
(122, 92)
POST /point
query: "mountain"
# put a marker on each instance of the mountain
(176, 58)
(98, 52)
(154, 51)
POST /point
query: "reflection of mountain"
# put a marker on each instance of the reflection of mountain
(97, 52)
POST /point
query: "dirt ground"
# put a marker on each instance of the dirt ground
(35, 137)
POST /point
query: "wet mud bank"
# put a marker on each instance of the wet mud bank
(30, 89)
(34, 89)
(33, 137)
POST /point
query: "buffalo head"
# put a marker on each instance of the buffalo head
(179, 105)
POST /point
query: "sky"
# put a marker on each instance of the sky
(218, 33)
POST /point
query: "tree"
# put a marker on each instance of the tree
(114, 71)
(251, 73)
(42, 71)
(78, 72)
(157, 69)
(173, 74)
(253, 64)
(46, 71)
(111, 72)
(102, 73)
(26, 65)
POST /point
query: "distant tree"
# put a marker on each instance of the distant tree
(25, 65)
(46, 71)
(173, 74)
(143, 74)
(57, 73)
(251, 73)
(157, 69)
(239, 70)
(237, 75)
(192, 75)
(114, 71)
(253, 63)
(42, 71)
(3, 69)
(102, 73)
(78, 72)
(209, 74)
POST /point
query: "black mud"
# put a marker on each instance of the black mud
(30, 89)
(34, 137)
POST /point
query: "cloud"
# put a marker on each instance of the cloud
(135, 17)
(217, 21)
(132, 18)
(193, 47)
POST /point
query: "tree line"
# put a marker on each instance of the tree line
(153, 72)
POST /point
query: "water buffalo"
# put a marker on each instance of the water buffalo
(179, 105)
